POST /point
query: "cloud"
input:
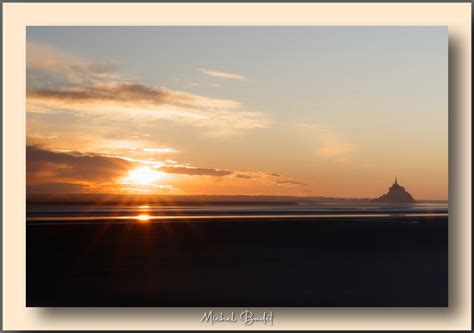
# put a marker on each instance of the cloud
(238, 175)
(55, 172)
(75, 172)
(191, 85)
(222, 75)
(262, 177)
(72, 164)
(132, 94)
(52, 170)
(47, 64)
(329, 143)
(159, 150)
(60, 82)
(139, 103)
(290, 182)
(267, 178)
(184, 170)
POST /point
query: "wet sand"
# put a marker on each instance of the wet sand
(344, 261)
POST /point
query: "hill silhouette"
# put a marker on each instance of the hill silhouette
(396, 194)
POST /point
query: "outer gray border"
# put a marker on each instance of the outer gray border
(240, 1)
(1, 178)
(452, 121)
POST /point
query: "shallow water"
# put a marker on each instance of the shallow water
(327, 211)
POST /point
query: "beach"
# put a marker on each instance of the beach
(238, 257)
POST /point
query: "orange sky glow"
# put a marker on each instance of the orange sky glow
(256, 117)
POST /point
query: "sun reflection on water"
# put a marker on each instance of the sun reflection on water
(143, 218)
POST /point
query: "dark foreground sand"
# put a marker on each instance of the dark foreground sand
(341, 262)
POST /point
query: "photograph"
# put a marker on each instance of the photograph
(236, 166)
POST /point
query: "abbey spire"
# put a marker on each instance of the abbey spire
(396, 194)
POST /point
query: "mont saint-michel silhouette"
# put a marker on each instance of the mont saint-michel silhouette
(396, 194)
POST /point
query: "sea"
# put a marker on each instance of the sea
(116, 213)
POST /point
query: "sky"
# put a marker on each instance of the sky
(304, 111)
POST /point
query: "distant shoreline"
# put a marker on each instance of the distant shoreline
(136, 199)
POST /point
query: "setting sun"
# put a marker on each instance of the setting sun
(143, 176)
